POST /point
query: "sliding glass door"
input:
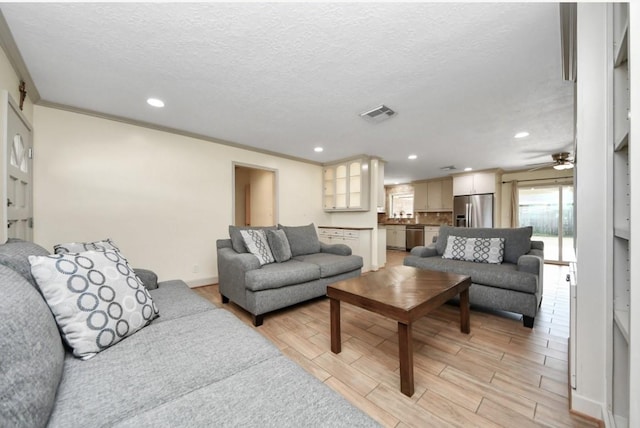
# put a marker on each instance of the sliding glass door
(549, 209)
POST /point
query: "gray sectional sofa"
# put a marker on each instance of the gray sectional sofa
(260, 289)
(515, 285)
(195, 365)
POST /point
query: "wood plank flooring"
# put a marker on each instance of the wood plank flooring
(500, 375)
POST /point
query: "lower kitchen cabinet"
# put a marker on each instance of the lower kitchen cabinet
(359, 240)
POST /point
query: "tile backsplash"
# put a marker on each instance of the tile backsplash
(420, 217)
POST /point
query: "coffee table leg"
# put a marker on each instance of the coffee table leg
(464, 312)
(336, 344)
(405, 347)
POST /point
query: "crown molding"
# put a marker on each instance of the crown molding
(15, 58)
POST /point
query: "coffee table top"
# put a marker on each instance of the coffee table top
(403, 293)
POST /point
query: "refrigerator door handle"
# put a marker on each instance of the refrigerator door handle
(469, 219)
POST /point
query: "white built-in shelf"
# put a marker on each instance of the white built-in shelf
(621, 142)
(622, 232)
(621, 46)
(621, 318)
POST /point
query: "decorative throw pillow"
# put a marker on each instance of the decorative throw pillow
(80, 247)
(279, 245)
(257, 244)
(302, 239)
(95, 297)
(479, 250)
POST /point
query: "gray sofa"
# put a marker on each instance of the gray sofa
(261, 289)
(195, 365)
(515, 285)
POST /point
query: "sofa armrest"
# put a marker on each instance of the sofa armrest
(338, 249)
(148, 277)
(422, 251)
(232, 268)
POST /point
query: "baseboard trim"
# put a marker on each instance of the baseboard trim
(193, 283)
(588, 409)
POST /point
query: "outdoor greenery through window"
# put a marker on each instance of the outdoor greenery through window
(401, 205)
(550, 211)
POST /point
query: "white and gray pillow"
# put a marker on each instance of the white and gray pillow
(257, 244)
(479, 250)
(95, 297)
(79, 247)
(279, 245)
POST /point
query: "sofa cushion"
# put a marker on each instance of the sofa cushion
(505, 275)
(95, 298)
(279, 245)
(479, 250)
(15, 255)
(81, 247)
(331, 264)
(276, 275)
(517, 241)
(302, 239)
(175, 299)
(237, 242)
(31, 354)
(158, 365)
(256, 243)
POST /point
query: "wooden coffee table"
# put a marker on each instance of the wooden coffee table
(404, 294)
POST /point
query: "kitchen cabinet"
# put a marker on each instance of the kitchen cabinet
(433, 195)
(430, 234)
(420, 196)
(359, 240)
(474, 184)
(346, 186)
(396, 237)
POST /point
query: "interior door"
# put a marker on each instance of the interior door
(18, 173)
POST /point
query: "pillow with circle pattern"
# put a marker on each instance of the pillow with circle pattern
(79, 247)
(95, 297)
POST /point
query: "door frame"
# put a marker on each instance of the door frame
(276, 195)
(7, 102)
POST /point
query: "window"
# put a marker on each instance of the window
(401, 205)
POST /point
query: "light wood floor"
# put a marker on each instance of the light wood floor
(502, 374)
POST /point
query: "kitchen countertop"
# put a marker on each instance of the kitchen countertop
(412, 224)
(345, 227)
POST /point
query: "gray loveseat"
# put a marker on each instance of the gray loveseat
(305, 275)
(195, 365)
(515, 285)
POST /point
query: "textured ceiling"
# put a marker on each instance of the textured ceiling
(286, 77)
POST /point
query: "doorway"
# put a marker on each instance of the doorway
(254, 196)
(549, 209)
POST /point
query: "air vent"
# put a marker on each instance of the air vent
(448, 168)
(378, 114)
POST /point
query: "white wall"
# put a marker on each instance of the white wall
(593, 272)
(163, 198)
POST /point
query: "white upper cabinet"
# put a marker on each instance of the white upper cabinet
(474, 184)
(346, 185)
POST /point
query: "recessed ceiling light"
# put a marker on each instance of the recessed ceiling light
(468, 169)
(155, 102)
(412, 157)
(522, 134)
(318, 149)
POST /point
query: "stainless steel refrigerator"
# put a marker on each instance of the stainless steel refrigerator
(473, 210)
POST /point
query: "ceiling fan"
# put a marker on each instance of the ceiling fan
(562, 160)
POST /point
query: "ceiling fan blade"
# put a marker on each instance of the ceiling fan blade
(546, 165)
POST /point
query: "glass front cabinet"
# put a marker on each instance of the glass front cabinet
(345, 186)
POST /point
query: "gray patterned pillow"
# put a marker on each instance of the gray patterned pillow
(257, 244)
(279, 245)
(479, 250)
(79, 247)
(95, 297)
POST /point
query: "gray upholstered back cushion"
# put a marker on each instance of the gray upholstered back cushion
(279, 245)
(15, 255)
(302, 239)
(31, 354)
(517, 241)
(237, 241)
